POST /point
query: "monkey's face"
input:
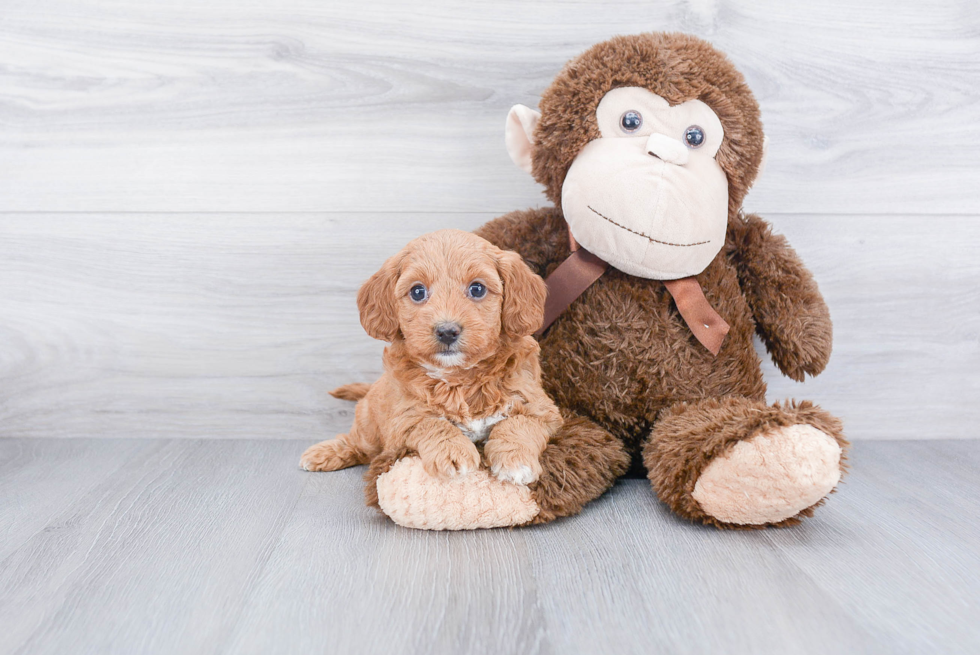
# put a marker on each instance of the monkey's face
(648, 195)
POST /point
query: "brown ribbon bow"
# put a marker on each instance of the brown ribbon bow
(577, 273)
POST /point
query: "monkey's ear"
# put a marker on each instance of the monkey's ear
(376, 301)
(519, 134)
(765, 156)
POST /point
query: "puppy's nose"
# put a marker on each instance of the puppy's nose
(447, 333)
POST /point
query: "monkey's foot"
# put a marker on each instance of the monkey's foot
(737, 463)
(580, 462)
(770, 477)
(414, 499)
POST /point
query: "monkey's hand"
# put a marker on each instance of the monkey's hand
(790, 313)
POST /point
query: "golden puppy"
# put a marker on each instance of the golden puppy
(462, 366)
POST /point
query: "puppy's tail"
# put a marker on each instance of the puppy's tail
(353, 391)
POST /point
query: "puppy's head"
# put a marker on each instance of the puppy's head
(451, 296)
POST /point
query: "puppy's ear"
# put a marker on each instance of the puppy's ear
(524, 296)
(376, 301)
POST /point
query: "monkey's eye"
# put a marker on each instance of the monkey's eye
(418, 293)
(631, 121)
(694, 136)
(477, 290)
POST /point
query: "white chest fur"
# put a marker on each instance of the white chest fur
(479, 429)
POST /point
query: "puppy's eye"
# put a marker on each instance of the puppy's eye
(477, 290)
(631, 121)
(694, 136)
(418, 293)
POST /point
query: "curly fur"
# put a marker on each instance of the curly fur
(353, 391)
(425, 396)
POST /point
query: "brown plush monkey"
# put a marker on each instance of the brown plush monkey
(647, 146)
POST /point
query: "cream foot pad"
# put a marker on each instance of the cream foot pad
(414, 499)
(770, 477)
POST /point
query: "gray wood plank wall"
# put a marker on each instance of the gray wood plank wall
(190, 195)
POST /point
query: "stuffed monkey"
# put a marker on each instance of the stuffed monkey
(647, 146)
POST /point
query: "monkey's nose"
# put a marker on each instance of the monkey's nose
(447, 333)
(670, 150)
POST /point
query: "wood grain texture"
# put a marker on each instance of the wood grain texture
(882, 506)
(304, 105)
(70, 471)
(214, 546)
(235, 326)
(155, 558)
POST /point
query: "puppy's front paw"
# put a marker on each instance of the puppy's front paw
(324, 456)
(452, 458)
(512, 462)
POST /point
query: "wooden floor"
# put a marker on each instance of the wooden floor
(208, 546)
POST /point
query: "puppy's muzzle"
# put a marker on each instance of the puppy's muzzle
(448, 333)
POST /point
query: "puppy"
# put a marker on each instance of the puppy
(462, 366)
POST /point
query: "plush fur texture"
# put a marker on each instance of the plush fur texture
(623, 343)
(377, 467)
(406, 494)
(629, 375)
(788, 468)
(580, 462)
(689, 436)
(432, 392)
(677, 67)
(621, 355)
(631, 356)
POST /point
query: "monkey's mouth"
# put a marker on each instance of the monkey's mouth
(646, 236)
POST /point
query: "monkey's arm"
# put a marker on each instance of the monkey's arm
(540, 236)
(790, 314)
